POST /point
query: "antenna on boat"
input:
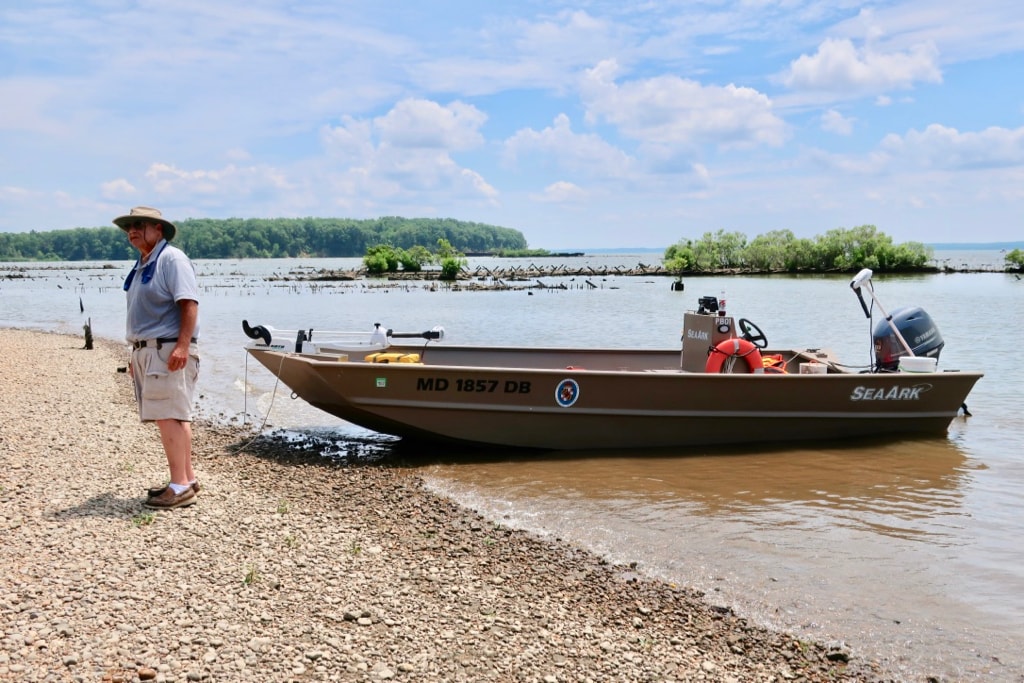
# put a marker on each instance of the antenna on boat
(861, 281)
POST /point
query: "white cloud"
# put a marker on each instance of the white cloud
(571, 36)
(417, 123)
(676, 111)
(407, 150)
(834, 122)
(117, 189)
(473, 185)
(587, 154)
(561, 192)
(874, 163)
(352, 139)
(942, 147)
(8, 193)
(838, 66)
(542, 52)
(168, 180)
(991, 27)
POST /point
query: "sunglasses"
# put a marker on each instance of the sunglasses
(137, 225)
(147, 271)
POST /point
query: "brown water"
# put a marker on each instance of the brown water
(908, 552)
(867, 545)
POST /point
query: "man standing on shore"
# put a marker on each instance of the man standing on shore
(163, 329)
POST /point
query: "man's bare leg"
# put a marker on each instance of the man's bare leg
(176, 437)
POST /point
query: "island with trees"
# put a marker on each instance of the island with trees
(780, 251)
(395, 245)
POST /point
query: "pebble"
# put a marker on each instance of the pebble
(293, 566)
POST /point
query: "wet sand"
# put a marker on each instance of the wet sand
(295, 567)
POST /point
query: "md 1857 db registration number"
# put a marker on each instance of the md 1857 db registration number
(473, 386)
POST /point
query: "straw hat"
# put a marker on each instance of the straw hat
(146, 213)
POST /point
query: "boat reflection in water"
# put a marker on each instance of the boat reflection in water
(906, 480)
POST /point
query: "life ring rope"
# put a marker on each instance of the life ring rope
(734, 348)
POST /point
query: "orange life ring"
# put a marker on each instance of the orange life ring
(736, 347)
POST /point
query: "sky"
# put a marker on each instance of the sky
(600, 124)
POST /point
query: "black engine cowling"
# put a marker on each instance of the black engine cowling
(917, 328)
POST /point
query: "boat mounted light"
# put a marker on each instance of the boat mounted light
(857, 285)
(860, 278)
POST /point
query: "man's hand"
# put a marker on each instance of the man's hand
(179, 357)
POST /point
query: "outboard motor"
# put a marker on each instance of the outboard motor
(917, 328)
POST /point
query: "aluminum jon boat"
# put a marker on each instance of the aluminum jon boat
(723, 387)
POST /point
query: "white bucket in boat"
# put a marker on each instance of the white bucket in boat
(918, 364)
(813, 369)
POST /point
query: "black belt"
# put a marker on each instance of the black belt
(159, 342)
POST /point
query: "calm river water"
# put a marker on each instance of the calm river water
(908, 552)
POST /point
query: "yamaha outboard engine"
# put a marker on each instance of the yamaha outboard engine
(917, 328)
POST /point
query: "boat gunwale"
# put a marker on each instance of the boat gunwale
(322, 359)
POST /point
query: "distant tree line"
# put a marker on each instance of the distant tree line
(266, 238)
(780, 251)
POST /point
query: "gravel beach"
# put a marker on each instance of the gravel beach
(294, 567)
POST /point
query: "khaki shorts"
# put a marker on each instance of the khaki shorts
(160, 393)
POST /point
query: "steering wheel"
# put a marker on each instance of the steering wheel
(748, 330)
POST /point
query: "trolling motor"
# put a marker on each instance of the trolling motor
(379, 336)
(891, 334)
(258, 332)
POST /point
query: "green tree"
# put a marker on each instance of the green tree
(451, 260)
(840, 249)
(1014, 260)
(779, 251)
(718, 251)
(679, 258)
(414, 258)
(381, 258)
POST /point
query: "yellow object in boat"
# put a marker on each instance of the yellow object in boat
(393, 358)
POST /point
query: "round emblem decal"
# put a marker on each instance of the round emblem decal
(567, 392)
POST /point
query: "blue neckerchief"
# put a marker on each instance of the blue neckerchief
(147, 271)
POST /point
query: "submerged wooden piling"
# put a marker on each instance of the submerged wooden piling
(88, 334)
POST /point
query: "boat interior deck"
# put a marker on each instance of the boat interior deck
(614, 360)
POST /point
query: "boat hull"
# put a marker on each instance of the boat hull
(591, 399)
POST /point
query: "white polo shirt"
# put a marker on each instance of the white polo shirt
(153, 311)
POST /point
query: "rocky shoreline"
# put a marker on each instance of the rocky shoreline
(295, 567)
